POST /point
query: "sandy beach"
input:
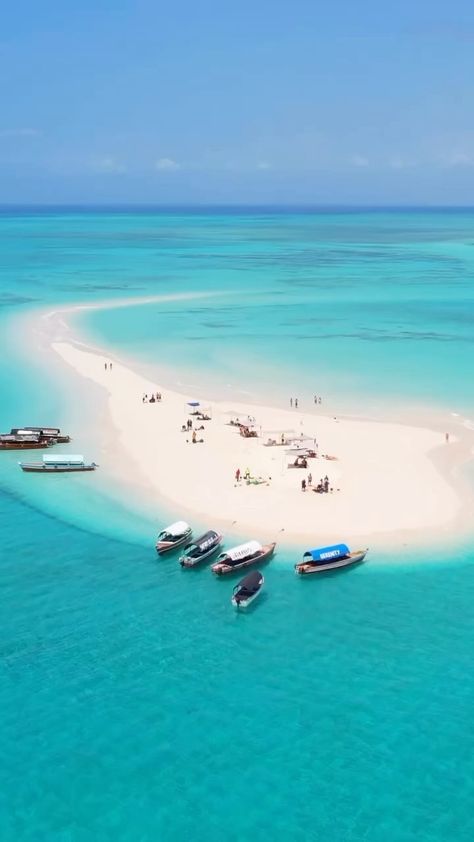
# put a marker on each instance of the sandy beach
(388, 480)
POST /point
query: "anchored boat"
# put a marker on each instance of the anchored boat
(242, 556)
(23, 440)
(248, 589)
(51, 434)
(58, 464)
(201, 549)
(176, 535)
(328, 558)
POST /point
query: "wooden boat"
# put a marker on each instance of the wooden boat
(58, 465)
(328, 558)
(176, 535)
(31, 442)
(201, 549)
(51, 434)
(248, 589)
(242, 556)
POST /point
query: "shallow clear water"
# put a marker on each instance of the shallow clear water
(136, 703)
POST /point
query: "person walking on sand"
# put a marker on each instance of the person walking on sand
(237, 475)
(110, 366)
(247, 473)
(447, 438)
(303, 485)
(296, 403)
(291, 402)
(310, 479)
(105, 366)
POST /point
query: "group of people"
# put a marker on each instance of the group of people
(294, 401)
(321, 488)
(154, 398)
(186, 428)
(238, 475)
(109, 365)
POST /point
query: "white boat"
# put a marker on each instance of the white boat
(248, 589)
(59, 464)
(328, 558)
(242, 556)
(175, 535)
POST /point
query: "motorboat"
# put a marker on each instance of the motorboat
(328, 558)
(59, 464)
(242, 556)
(51, 434)
(23, 440)
(176, 535)
(201, 549)
(248, 589)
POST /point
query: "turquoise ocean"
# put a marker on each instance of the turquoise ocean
(136, 704)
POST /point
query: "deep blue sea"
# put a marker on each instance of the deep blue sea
(136, 704)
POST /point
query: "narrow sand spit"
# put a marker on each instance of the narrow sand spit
(384, 480)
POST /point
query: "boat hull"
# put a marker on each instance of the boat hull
(187, 561)
(55, 469)
(222, 569)
(307, 569)
(244, 603)
(163, 547)
(19, 445)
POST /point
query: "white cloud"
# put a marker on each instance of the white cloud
(25, 132)
(167, 164)
(108, 164)
(459, 158)
(360, 161)
(397, 163)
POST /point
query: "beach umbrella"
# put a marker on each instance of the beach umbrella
(194, 403)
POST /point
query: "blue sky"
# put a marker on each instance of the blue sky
(217, 101)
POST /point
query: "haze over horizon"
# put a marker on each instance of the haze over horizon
(137, 102)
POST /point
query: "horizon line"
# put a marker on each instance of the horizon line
(232, 205)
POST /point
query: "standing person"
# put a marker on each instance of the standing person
(310, 479)
(110, 366)
(447, 438)
(303, 485)
(319, 399)
(291, 399)
(105, 366)
(237, 475)
(315, 398)
(296, 403)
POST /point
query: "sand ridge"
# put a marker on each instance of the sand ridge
(384, 479)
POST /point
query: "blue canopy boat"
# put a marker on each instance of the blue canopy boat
(328, 558)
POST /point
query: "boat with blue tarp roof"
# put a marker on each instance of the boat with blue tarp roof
(328, 558)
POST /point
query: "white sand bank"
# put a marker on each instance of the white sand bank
(384, 479)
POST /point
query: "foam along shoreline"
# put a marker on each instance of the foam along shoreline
(385, 482)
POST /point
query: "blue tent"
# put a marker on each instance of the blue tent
(326, 554)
